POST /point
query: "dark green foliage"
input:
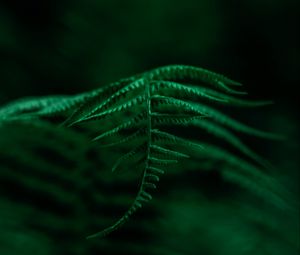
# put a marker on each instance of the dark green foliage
(149, 116)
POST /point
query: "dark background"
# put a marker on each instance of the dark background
(70, 46)
(67, 47)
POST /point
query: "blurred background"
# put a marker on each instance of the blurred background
(67, 47)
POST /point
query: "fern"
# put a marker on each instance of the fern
(143, 107)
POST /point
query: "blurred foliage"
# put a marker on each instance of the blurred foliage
(65, 47)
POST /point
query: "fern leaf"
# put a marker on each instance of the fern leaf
(137, 134)
(221, 133)
(140, 83)
(133, 122)
(155, 170)
(93, 99)
(173, 139)
(150, 185)
(152, 177)
(217, 116)
(231, 100)
(180, 88)
(195, 74)
(178, 104)
(120, 108)
(175, 119)
(206, 93)
(162, 162)
(145, 196)
(168, 152)
(116, 96)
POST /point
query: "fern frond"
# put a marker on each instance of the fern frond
(146, 104)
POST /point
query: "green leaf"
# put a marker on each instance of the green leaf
(136, 135)
(204, 110)
(165, 137)
(195, 74)
(133, 122)
(138, 100)
(168, 152)
(203, 93)
(93, 99)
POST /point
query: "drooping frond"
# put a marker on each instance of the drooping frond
(140, 111)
